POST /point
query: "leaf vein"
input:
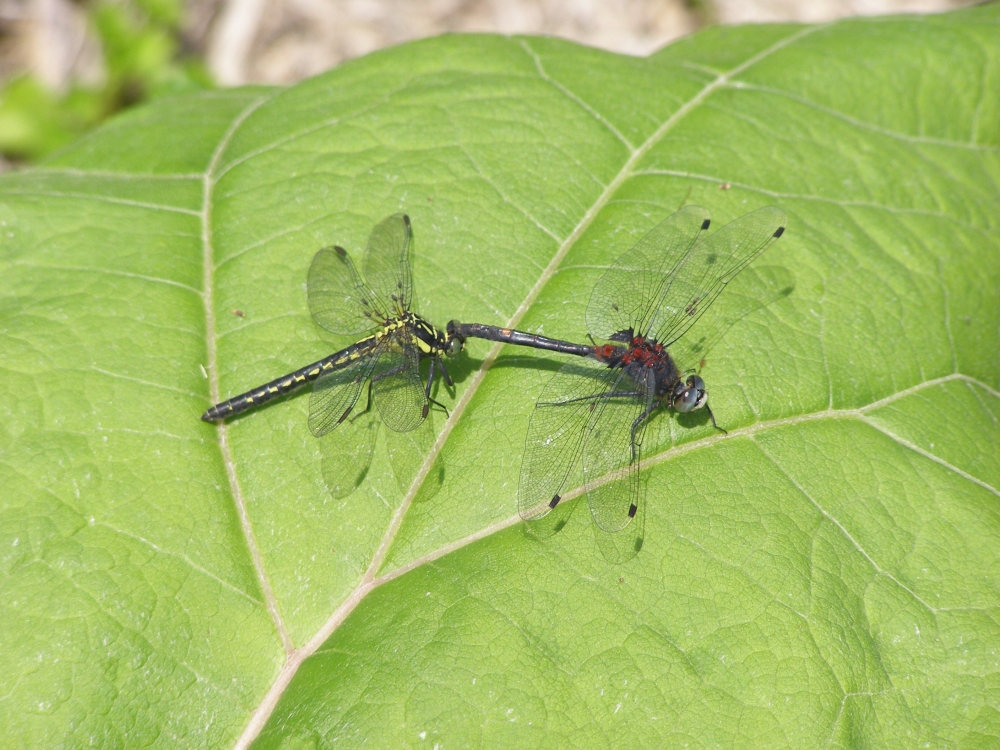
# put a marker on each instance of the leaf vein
(818, 198)
(916, 139)
(843, 530)
(256, 557)
(103, 199)
(543, 74)
(181, 556)
(109, 272)
(930, 456)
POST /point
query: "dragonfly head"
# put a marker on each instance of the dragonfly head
(455, 338)
(690, 395)
(453, 343)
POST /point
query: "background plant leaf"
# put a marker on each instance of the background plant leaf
(824, 575)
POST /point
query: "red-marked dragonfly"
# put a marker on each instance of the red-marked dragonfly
(598, 407)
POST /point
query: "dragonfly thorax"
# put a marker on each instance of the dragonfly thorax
(651, 368)
(430, 340)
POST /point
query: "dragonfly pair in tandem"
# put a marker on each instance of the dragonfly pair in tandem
(596, 408)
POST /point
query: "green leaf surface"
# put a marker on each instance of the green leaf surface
(824, 575)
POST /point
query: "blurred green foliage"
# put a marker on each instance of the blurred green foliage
(143, 57)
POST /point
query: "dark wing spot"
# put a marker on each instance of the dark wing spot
(344, 415)
(406, 220)
(554, 501)
(340, 251)
(632, 509)
(779, 232)
(704, 224)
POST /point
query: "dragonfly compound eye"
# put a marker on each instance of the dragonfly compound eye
(697, 386)
(684, 398)
(689, 397)
(695, 382)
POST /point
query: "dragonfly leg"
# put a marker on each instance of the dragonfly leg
(595, 397)
(427, 391)
(395, 371)
(637, 423)
(444, 372)
(368, 406)
(714, 424)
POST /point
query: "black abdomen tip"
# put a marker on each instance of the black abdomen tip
(208, 416)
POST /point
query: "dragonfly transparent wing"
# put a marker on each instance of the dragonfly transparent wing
(556, 431)
(339, 299)
(396, 387)
(335, 394)
(611, 455)
(712, 263)
(756, 288)
(553, 521)
(627, 294)
(387, 262)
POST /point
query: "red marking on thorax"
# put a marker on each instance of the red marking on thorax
(639, 350)
(643, 351)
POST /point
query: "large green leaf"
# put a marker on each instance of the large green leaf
(825, 575)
